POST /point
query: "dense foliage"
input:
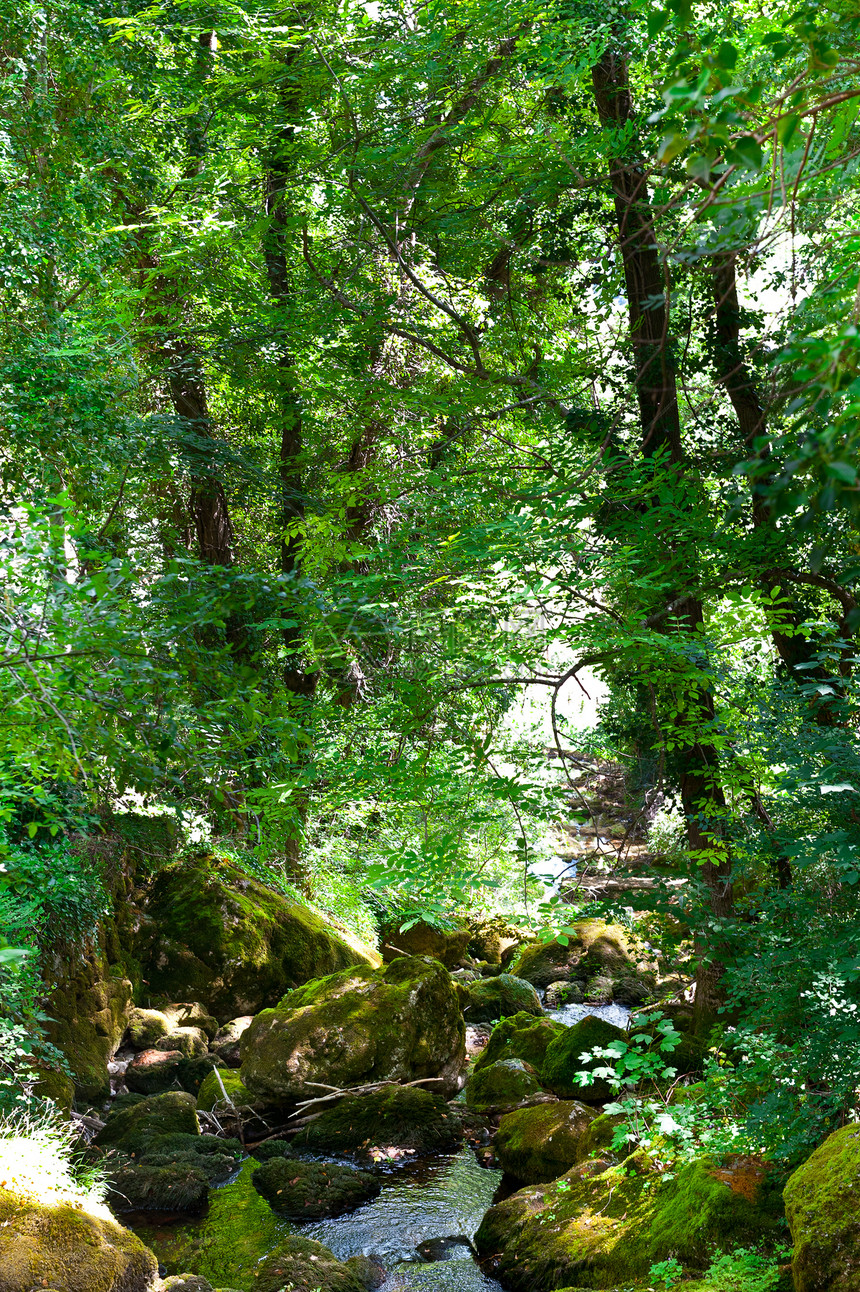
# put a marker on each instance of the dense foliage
(365, 368)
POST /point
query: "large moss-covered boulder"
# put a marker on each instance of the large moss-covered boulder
(563, 1059)
(522, 1036)
(822, 1205)
(607, 947)
(129, 1128)
(448, 946)
(87, 1015)
(170, 1172)
(400, 1023)
(210, 931)
(152, 1071)
(540, 1143)
(499, 997)
(302, 1265)
(606, 1229)
(407, 1117)
(309, 1190)
(69, 1248)
(505, 1085)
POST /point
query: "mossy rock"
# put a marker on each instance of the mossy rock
(400, 1023)
(186, 1283)
(235, 945)
(191, 1013)
(563, 1059)
(302, 1265)
(228, 1037)
(130, 1127)
(395, 1117)
(56, 1086)
(520, 1037)
(311, 1190)
(142, 1186)
(607, 945)
(494, 998)
(191, 1042)
(369, 1273)
(539, 1144)
(191, 1073)
(606, 1229)
(448, 946)
(152, 1072)
(87, 1017)
(146, 1027)
(70, 1249)
(503, 1086)
(210, 1095)
(238, 1229)
(272, 1148)
(822, 1205)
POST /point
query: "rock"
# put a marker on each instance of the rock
(503, 1086)
(129, 1127)
(493, 998)
(227, 1038)
(602, 1228)
(485, 943)
(187, 1283)
(821, 1205)
(301, 1265)
(139, 1186)
(56, 1086)
(310, 1190)
(539, 1144)
(191, 1042)
(237, 946)
(69, 1248)
(191, 1014)
(273, 1148)
(362, 1025)
(369, 1274)
(520, 1037)
(211, 1095)
(562, 993)
(599, 990)
(191, 1073)
(406, 1117)
(152, 1071)
(563, 1059)
(632, 990)
(146, 1027)
(86, 1017)
(448, 946)
(606, 945)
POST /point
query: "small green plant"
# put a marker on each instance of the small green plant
(666, 1274)
(744, 1270)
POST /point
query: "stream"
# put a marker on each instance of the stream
(419, 1228)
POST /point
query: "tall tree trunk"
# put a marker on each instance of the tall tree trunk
(702, 795)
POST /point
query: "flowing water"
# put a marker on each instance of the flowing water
(570, 1014)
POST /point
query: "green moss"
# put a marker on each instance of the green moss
(302, 1265)
(234, 945)
(87, 1016)
(309, 1190)
(821, 1205)
(130, 1127)
(563, 1059)
(448, 946)
(609, 1228)
(227, 1245)
(210, 1094)
(146, 1027)
(64, 1247)
(398, 1116)
(519, 1037)
(539, 1144)
(400, 1023)
(541, 963)
(142, 1186)
(502, 1086)
(492, 998)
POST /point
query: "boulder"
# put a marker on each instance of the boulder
(539, 1144)
(406, 1117)
(558, 994)
(190, 1014)
(302, 1265)
(505, 1085)
(605, 1228)
(129, 1127)
(400, 1023)
(822, 1206)
(491, 939)
(563, 1059)
(170, 1172)
(69, 1246)
(191, 1042)
(492, 998)
(448, 946)
(237, 945)
(595, 946)
(521, 1036)
(87, 1015)
(219, 1092)
(146, 1027)
(152, 1071)
(311, 1190)
(227, 1038)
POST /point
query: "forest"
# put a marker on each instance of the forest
(429, 565)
